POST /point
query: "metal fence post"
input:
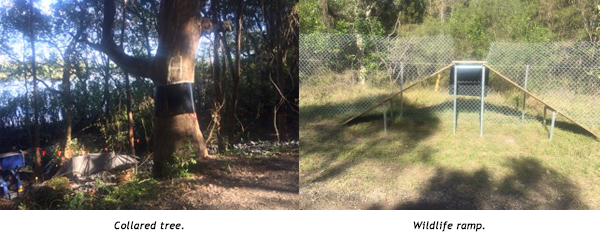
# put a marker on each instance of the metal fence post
(384, 118)
(482, 101)
(552, 126)
(401, 88)
(454, 96)
(525, 94)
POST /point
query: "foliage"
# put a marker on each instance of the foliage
(126, 196)
(476, 26)
(181, 161)
(412, 11)
(309, 20)
(368, 25)
(473, 24)
(57, 194)
(49, 195)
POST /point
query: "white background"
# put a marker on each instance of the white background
(299, 230)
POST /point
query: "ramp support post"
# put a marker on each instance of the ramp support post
(525, 94)
(454, 97)
(391, 110)
(552, 126)
(482, 101)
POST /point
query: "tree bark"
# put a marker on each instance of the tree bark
(107, 103)
(219, 100)
(130, 136)
(442, 10)
(273, 21)
(235, 73)
(179, 33)
(179, 30)
(66, 92)
(67, 100)
(226, 50)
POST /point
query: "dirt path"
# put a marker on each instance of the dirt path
(234, 182)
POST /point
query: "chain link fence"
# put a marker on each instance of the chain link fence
(564, 75)
(342, 75)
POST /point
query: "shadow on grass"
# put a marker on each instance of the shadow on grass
(567, 126)
(342, 148)
(337, 149)
(311, 113)
(530, 185)
(472, 105)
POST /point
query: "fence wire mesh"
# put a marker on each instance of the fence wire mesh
(342, 75)
(564, 75)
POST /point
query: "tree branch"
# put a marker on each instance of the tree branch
(50, 88)
(135, 65)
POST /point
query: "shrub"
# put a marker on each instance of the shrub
(179, 165)
(50, 195)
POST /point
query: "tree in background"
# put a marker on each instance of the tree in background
(473, 24)
(23, 17)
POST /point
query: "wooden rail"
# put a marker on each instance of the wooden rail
(540, 100)
(397, 93)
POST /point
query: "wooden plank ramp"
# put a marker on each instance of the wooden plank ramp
(542, 101)
(395, 94)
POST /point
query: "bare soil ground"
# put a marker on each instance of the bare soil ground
(234, 182)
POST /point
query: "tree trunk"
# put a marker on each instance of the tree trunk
(362, 70)
(27, 108)
(179, 29)
(130, 136)
(67, 100)
(273, 21)
(219, 100)
(442, 10)
(66, 92)
(129, 116)
(225, 122)
(201, 86)
(37, 168)
(179, 34)
(235, 74)
(107, 104)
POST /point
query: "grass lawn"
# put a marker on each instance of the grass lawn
(420, 164)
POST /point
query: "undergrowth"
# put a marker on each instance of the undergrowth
(57, 194)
